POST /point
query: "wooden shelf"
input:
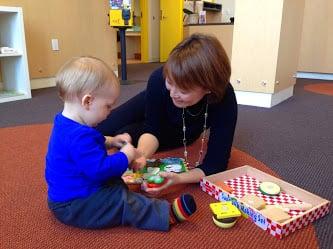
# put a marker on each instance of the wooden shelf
(132, 33)
(6, 96)
(11, 55)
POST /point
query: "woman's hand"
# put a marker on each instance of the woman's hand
(170, 177)
(139, 162)
(191, 176)
(117, 141)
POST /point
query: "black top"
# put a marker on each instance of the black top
(164, 120)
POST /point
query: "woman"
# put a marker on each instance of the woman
(189, 95)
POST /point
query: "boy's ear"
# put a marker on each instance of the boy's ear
(86, 101)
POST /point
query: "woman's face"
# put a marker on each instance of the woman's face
(185, 98)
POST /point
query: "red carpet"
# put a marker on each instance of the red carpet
(324, 88)
(27, 223)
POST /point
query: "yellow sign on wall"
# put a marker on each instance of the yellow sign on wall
(117, 20)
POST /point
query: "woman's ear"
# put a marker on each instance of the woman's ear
(86, 101)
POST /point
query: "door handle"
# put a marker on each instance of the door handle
(162, 16)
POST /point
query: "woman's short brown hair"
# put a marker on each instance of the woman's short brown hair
(199, 60)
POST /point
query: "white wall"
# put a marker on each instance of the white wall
(228, 9)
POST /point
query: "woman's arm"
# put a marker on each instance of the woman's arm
(191, 176)
(147, 144)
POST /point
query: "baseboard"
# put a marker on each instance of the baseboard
(266, 100)
(42, 83)
(48, 82)
(316, 76)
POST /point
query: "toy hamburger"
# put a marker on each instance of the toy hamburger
(225, 214)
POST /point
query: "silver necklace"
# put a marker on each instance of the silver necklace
(203, 139)
(195, 114)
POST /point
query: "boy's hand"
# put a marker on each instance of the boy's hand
(129, 151)
(117, 141)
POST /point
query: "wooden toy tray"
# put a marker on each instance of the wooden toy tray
(245, 180)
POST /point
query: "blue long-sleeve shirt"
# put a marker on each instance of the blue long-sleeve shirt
(164, 120)
(77, 163)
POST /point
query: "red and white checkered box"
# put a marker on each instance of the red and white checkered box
(245, 180)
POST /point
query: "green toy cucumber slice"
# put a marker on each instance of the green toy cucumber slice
(157, 179)
(269, 188)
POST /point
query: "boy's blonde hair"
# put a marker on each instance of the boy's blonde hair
(82, 75)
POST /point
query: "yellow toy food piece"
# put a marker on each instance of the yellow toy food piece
(132, 178)
(224, 224)
(225, 214)
(224, 210)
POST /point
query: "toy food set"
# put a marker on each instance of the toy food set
(224, 214)
(150, 173)
(253, 201)
(274, 205)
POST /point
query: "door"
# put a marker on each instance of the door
(154, 30)
(150, 30)
(171, 26)
(144, 30)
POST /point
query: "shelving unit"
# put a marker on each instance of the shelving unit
(212, 6)
(213, 10)
(14, 73)
(9, 55)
